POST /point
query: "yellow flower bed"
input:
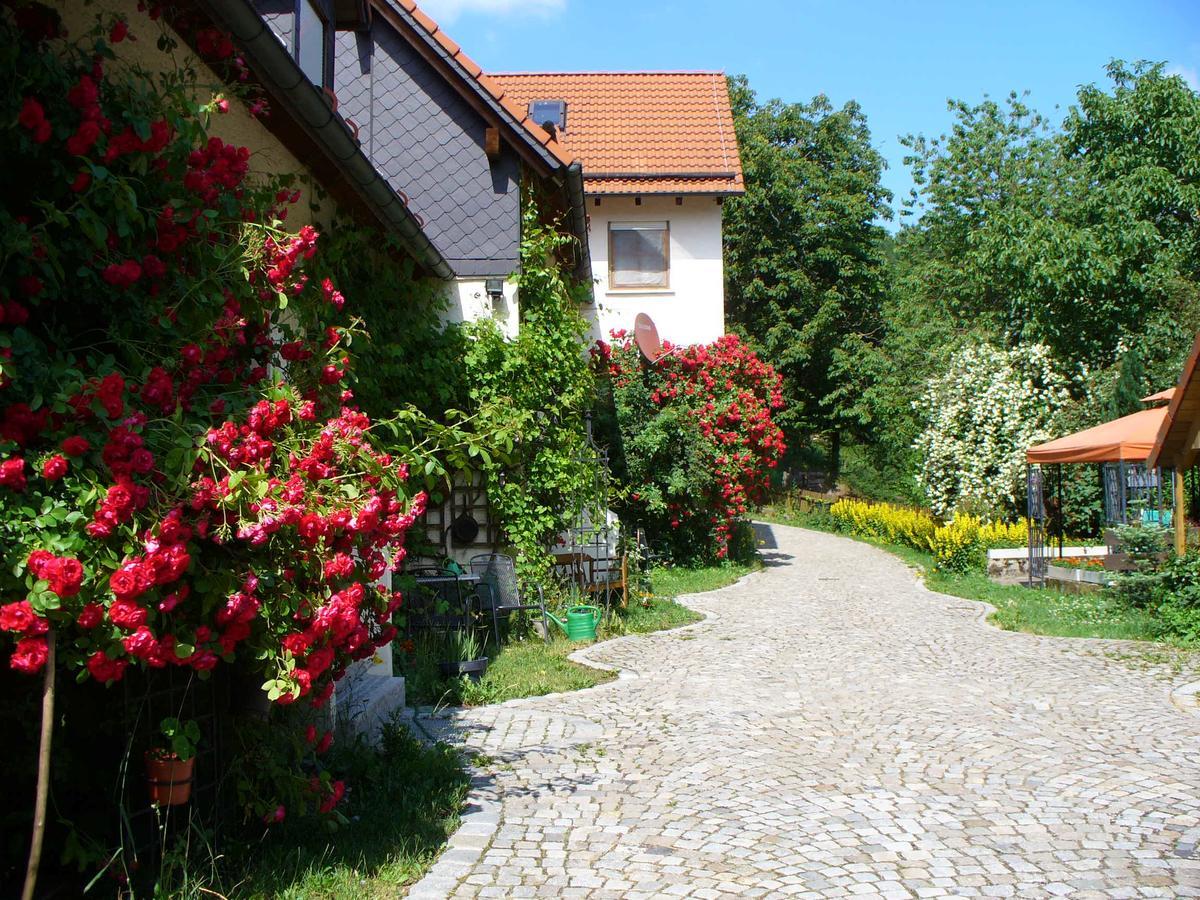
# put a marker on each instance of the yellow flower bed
(959, 545)
(894, 524)
(1004, 534)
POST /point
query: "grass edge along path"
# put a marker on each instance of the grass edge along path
(1044, 612)
(405, 800)
(534, 668)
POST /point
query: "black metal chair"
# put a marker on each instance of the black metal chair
(440, 600)
(500, 591)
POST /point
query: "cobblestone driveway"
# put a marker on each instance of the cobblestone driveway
(836, 730)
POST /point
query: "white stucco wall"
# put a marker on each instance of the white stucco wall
(692, 309)
(469, 302)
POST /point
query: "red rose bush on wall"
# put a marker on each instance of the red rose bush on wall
(697, 438)
(184, 478)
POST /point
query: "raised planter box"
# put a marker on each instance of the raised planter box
(1082, 576)
(1010, 565)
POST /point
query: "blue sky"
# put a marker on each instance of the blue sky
(900, 61)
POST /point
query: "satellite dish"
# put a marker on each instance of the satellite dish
(646, 336)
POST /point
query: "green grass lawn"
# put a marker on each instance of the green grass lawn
(404, 801)
(1036, 611)
(531, 667)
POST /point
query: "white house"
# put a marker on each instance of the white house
(659, 156)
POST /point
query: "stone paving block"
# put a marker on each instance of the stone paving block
(877, 740)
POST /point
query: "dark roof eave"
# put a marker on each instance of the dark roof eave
(305, 105)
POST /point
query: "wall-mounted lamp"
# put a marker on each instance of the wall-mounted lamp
(495, 289)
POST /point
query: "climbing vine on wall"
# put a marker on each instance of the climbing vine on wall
(543, 380)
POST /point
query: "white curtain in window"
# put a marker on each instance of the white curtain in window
(639, 255)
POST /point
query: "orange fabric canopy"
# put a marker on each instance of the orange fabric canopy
(1128, 438)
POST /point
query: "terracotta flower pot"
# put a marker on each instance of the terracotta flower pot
(169, 779)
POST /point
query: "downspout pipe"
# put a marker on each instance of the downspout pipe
(306, 105)
(578, 203)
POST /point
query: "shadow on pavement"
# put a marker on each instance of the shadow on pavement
(768, 547)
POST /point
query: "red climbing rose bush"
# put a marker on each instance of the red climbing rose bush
(185, 480)
(695, 438)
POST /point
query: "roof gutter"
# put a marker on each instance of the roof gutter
(281, 76)
(579, 224)
(676, 176)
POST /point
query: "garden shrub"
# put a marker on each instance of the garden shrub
(982, 413)
(167, 497)
(883, 521)
(541, 383)
(998, 534)
(959, 545)
(1172, 590)
(1147, 545)
(694, 439)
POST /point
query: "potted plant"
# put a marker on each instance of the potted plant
(169, 766)
(464, 655)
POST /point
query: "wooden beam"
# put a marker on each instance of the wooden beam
(1180, 517)
(491, 142)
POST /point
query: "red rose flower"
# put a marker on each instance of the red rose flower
(33, 118)
(55, 467)
(90, 616)
(127, 614)
(75, 445)
(130, 581)
(30, 655)
(311, 528)
(65, 575)
(84, 138)
(105, 669)
(12, 474)
(18, 617)
(141, 644)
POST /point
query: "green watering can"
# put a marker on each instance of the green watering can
(581, 622)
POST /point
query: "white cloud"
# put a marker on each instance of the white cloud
(1190, 75)
(449, 10)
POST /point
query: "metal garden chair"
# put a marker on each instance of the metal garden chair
(500, 591)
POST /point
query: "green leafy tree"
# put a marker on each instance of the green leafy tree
(1079, 237)
(803, 254)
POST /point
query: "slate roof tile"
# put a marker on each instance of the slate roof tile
(516, 109)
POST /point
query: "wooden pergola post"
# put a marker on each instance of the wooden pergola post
(1180, 517)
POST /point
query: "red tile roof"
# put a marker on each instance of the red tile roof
(641, 132)
(517, 110)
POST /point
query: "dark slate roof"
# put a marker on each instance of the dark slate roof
(428, 143)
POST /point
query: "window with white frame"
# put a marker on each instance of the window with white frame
(639, 255)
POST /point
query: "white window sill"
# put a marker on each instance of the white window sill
(638, 292)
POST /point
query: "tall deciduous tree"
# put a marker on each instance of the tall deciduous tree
(803, 252)
(1081, 238)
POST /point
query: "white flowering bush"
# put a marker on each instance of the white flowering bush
(982, 413)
